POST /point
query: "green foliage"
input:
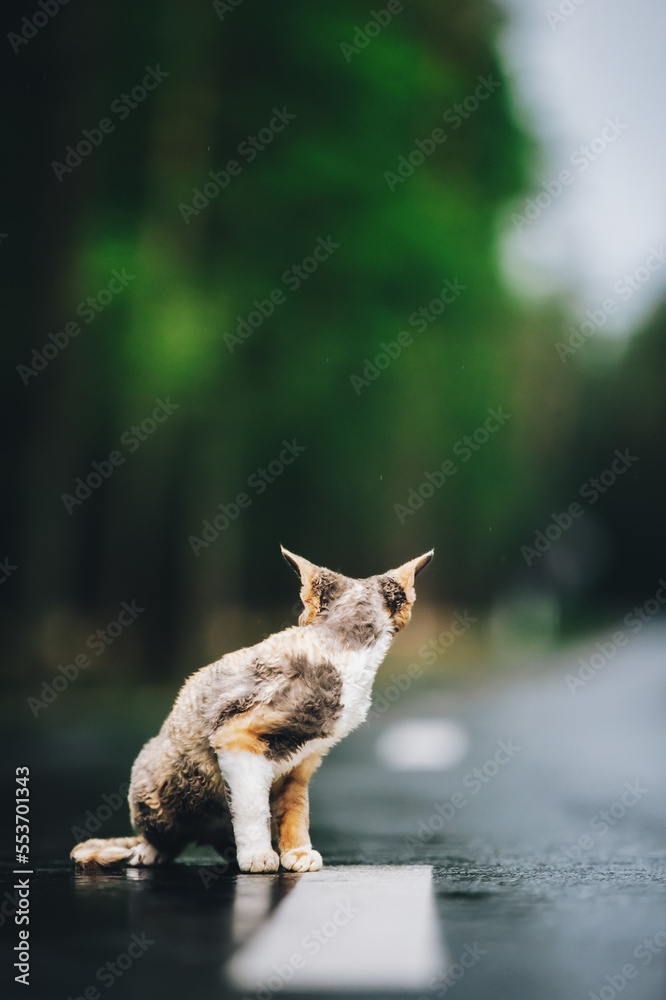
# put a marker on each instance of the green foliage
(325, 176)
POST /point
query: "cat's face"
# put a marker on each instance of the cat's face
(365, 608)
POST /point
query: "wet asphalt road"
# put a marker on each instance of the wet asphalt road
(533, 867)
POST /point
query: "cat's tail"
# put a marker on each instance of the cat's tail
(95, 855)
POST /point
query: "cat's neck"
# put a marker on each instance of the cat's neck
(352, 634)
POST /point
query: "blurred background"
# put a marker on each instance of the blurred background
(358, 283)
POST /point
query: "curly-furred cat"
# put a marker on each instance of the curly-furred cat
(233, 759)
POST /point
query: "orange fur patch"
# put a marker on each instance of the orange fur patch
(310, 604)
(402, 616)
(307, 572)
(292, 807)
(247, 732)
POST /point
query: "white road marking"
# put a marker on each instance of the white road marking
(423, 745)
(357, 927)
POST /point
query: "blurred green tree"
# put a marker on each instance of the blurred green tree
(338, 287)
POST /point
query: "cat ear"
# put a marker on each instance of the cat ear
(405, 574)
(399, 599)
(305, 569)
(310, 585)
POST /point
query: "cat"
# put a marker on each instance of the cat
(233, 759)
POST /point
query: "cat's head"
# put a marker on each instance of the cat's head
(364, 607)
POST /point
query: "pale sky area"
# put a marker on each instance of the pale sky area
(605, 60)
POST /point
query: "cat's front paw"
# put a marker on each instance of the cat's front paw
(301, 859)
(258, 861)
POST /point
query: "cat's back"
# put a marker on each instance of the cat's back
(239, 680)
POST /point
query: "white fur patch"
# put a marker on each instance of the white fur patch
(249, 777)
(358, 669)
